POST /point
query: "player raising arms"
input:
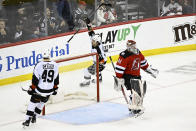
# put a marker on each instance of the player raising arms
(44, 83)
(128, 73)
(98, 48)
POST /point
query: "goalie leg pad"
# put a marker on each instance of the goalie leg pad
(138, 90)
(136, 101)
(144, 87)
(135, 85)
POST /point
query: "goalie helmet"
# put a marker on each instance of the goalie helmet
(131, 47)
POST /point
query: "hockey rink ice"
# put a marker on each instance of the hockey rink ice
(170, 102)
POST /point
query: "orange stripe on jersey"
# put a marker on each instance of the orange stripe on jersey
(55, 86)
(33, 86)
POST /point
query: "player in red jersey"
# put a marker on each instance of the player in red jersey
(128, 73)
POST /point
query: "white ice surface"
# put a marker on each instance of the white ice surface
(170, 101)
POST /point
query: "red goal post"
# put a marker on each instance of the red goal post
(97, 67)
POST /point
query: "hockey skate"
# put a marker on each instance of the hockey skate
(84, 83)
(94, 80)
(26, 123)
(135, 113)
(33, 120)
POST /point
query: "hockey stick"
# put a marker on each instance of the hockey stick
(90, 15)
(26, 90)
(122, 89)
(23, 89)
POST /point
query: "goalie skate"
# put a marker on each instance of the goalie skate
(135, 113)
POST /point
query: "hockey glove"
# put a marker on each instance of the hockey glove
(118, 83)
(31, 91)
(87, 20)
(153, 72)
(55, 90)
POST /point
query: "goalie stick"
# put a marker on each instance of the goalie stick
(122, 89)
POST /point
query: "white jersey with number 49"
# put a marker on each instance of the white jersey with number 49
(45, 76)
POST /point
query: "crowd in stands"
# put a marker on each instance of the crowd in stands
(31, 20)
(176, 7)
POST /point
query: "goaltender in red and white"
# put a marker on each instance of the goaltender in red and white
(128, 73)
(44, 83)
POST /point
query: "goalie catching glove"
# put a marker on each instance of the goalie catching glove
(153, 72)
(118, 83)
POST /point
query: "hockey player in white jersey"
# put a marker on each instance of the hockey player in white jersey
(44, 83)
(97, 47)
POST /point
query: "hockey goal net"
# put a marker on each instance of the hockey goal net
(71, 74)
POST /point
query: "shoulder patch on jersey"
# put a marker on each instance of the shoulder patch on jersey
(126, 54)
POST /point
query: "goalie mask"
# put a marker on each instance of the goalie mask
(131, 47)
(96, 39)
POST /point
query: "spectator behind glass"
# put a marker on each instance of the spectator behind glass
(79, 14)
(119, 11)
(51, 23)
(62, 26)
(4, 32)
(174, 8)
(24, 17)
(18, 32)
(3, 13)
(36, 33)
(113, 10)
(104, 15)
(65, 9)
(186, 7)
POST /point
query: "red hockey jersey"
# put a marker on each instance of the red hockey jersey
(130, 64)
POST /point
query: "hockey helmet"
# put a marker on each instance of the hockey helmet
(46, 55)
(96, 39)
(131, 46)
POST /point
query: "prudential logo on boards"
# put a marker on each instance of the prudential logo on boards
(14, 63)
(1, 66)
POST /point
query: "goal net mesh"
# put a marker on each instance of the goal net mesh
(71, 74)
